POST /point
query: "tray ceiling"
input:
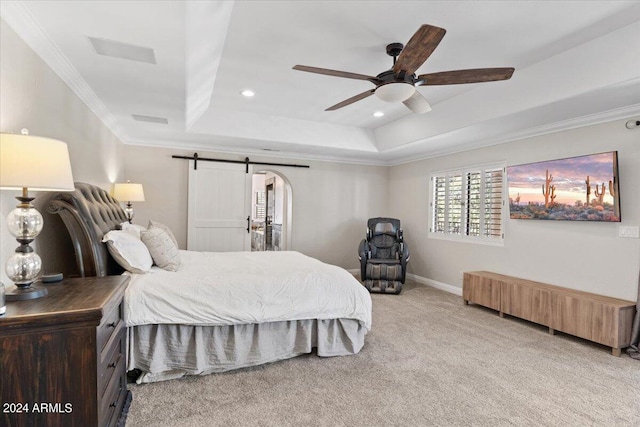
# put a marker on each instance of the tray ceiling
(577, 63)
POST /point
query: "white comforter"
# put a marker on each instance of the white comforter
(223, 288)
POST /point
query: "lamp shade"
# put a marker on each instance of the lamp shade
(128, 192)
(34, 162)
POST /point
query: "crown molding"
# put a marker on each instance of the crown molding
(548, 128)
(577, 122)
(20, 18)
(254, 151)
(574, 123)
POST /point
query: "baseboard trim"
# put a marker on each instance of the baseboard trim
(435, 284)
(423, 281)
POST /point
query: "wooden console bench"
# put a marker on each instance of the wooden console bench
(593, 317)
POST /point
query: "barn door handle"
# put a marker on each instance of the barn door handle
(248, 223)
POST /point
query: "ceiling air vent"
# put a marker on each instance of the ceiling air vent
(123, 50)
(150, 119)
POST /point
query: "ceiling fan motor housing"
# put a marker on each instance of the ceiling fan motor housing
(389, 76)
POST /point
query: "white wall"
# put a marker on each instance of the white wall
(582, 255)
(32, 96)
(331, 201)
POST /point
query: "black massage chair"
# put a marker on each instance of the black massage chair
(383, 256)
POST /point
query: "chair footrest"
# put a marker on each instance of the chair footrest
(383, 261)
(383, 286)
(388, 272)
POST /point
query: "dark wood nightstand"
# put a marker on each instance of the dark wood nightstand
(62, 357)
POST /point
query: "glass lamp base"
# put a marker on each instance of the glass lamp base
(21, 293)
(24, 223)
(129, 212)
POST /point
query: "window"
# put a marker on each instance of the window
(468, 204)
(261, 206)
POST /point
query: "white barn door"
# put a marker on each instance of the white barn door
(219, 205)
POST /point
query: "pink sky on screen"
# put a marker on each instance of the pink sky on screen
(569, 177)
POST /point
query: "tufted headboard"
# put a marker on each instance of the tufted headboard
(89, 213)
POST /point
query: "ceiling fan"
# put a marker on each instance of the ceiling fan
(399, 83)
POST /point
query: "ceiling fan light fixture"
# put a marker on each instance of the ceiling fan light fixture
(395, 92)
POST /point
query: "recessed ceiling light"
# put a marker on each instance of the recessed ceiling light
(248, 93)
(378, 114)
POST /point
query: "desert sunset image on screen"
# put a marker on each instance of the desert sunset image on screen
(583, 188)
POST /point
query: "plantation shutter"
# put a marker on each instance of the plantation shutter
(439, 204)
(455, 204)
(474, 188)
(468, 203)
(261, 207)
(493, 201)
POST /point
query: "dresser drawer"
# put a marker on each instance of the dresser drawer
(114, 395)
(66, 343)
(110, 323)
(107, 365)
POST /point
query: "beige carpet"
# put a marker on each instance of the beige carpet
(429, 360)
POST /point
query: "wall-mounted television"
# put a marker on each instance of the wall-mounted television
(583, 188)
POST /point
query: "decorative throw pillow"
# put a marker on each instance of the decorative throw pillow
(166, 230)
(128, 251)
(162, 248)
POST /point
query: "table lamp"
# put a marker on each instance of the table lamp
(129, 192)
(30, 163)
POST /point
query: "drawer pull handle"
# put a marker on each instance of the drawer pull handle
(112, 365)
(112, 324)
(113, 404)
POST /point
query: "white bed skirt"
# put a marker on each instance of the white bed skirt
(164, 352)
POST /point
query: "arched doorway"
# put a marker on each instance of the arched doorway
(271, 211)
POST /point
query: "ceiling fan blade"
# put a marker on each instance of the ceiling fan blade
(335, 73)
(417, 103)
(351, 100)
(419, 48)
(455, 77)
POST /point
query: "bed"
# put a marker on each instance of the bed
(218, 311)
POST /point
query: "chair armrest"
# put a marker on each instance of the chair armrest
(404, 259)
(364, 252)
(405, 252)
(363, 249)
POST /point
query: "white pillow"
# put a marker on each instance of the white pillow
(165, 228)
(128, 251)
(162, 248)
(133, 229)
